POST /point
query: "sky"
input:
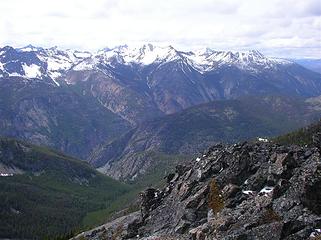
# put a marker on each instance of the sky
(281, 28)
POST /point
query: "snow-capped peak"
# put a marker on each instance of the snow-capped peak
(37, 62)
(208, 59)
(32, 71)
(202, 60)
(145, 55)
(58, 61)
(30, 48)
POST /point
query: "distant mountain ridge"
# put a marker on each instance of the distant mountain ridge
(52, 62)
(312, 64)
(203, 59)
(106, 93)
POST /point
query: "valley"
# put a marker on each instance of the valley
(86, 133)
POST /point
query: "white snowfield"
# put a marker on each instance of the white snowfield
(262, 139)
(6, 174)
(202, 60)
(32, 71)
(58, 61)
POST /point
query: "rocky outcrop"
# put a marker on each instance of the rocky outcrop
(241, 191)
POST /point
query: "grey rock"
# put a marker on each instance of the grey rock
(253, 209)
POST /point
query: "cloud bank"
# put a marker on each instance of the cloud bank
(284, 28)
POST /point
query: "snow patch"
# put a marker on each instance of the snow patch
(316, 233)
(6, 174)
(267, 190)
(207, 60)
(57, 83)
(27, 49)
(15, 74)
(86, 65)
(145, 55)
(262, 139)
(32, 71)
(248, 192)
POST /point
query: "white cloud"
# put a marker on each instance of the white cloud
(289, 28)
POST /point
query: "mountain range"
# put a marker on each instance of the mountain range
(76, 101)
(132, 113)
(149, 81)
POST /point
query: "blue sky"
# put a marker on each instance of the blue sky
(284, 28)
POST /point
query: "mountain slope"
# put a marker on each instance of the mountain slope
(312, 64)
(45, 193)
(58, 117)
(310, 135)
(141, 83)
(38, 63)
(196, 128)
(171, 80)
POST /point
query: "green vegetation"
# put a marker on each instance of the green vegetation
(300, 137)
(154, 177)
(53, 195)
(234, 120)
(164, 164)
(197, 128)
(124, 204)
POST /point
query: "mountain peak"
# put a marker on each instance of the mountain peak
(148, 46)
(143, 55)
(30, 48)
(256, 53)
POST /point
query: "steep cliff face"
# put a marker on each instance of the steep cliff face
(242, 191)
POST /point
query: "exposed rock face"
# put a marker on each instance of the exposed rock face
(126, 97)
(58, 117)
(316, 139)
(269, 192)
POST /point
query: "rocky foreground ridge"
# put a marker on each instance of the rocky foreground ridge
(256, 190)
